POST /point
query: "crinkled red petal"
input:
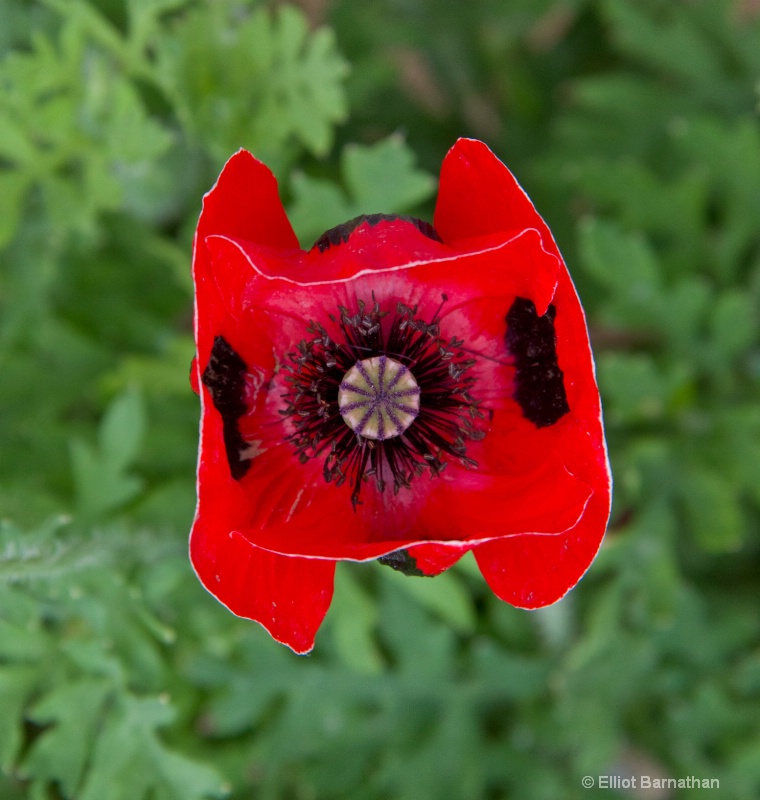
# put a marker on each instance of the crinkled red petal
(291, 510)
(433, 559)
(535, 571)
(479, 196)
(265, 544)
(287, 596)
(244, 203)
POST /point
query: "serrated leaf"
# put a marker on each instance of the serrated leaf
(258, 80)
(381, 178)
(62, 752)
(307, 79)
(70, 117)
(130, 762)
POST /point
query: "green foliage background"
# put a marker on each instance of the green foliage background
(634, 126)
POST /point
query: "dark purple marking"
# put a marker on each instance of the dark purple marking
(224, 377)
(354, 406)
(532, 342)
(351, 388)
(381, 374)
(366, 376)
(406, 409)
(364, 420)
(398, 376)
(380, 427)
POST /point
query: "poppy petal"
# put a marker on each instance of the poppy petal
(292, 511)
(433, 559)
(511, 507)
(287, 596)
(479, 196)
(245, 203)
(535, 571)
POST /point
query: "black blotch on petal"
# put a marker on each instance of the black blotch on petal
(341, 233)
(401, 561)
(539, 385)
(225, 379)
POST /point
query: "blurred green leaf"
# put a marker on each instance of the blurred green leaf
(16, 685)
(378, 179)
(353, 620)
(669, 42)
(445, 596)
(638, 390)
(121, 430)
(13, 188)
(624, 263)
(255, 80)
(74, 710)
(130, 762)
(713, 508)
(734, 322)
(102, 482)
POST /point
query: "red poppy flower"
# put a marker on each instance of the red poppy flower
(400, 391)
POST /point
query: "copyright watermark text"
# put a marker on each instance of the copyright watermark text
(647, 782)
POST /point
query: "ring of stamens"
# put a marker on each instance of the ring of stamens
(379, 398)
(327, 417)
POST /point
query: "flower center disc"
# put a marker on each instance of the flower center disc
(379, 398)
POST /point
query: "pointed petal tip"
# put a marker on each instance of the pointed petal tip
(244, 203)
(289, 597)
